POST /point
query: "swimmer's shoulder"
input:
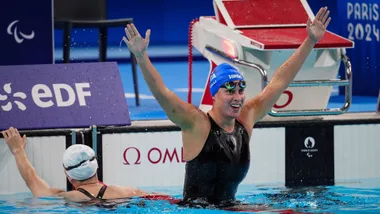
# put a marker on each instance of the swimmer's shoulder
(73, 196)
(114, 191)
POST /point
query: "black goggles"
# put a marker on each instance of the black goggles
(77, 165)
(232, 85)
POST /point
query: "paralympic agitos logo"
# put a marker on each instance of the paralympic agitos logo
(133, 156)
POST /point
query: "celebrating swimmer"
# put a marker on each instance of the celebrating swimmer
(216, 144)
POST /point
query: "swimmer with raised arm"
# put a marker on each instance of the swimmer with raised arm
(216, 144)
(80, 166)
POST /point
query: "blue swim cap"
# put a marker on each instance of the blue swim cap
(221, 74)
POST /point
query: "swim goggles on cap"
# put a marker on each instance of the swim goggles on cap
(232, 85)
(77, 165)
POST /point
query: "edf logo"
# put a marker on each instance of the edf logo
(44, 97)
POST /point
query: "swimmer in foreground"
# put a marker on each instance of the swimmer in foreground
(216, 144)
(80, 166)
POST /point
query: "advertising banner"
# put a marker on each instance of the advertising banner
(26, 32)
(143, 159)
(62, 96)
(156, 158)
(359, 22)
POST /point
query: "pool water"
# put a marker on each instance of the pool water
(354, 197)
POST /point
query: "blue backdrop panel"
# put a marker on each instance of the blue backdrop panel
(168, 19)
(26, 35)
(359, 21)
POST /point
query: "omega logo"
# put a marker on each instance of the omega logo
(153, 156)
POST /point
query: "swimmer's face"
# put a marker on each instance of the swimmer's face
(230, 98)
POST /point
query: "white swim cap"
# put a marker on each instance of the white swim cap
(80, 162)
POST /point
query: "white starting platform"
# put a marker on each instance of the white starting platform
(257, 37)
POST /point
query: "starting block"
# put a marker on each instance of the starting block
(257, 37)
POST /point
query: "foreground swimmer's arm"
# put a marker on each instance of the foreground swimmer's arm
(16, 145)
(260, 105)
(39, 187)
(181, 113)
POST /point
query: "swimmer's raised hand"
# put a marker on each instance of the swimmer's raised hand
(317, 28)
(13, 139)
(136, 44)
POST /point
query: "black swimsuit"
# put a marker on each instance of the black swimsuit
(100, 193)
(99, 201)
(214, 175)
